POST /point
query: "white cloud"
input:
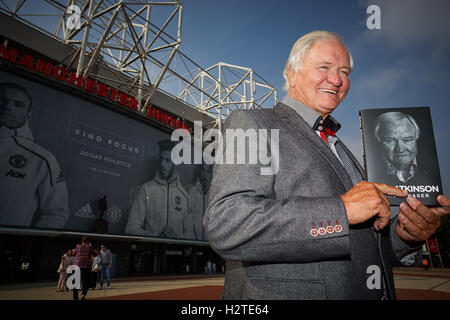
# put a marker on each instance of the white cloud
(415, 35)
(412, 22)
(397, 79)
(382, 82)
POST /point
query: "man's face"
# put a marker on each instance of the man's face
(323, 81)
(14, 108)
(166, 165)
(399, 144)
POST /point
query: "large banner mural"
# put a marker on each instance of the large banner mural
(70, 164)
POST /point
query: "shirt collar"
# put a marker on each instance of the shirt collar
(173, 178)
(311, 117)
(391, 170)
(22, 132)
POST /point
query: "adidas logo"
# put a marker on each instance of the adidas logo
(85, 212)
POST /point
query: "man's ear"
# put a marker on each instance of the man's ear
(292, 76)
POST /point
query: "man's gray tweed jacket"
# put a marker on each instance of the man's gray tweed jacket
(261, 224)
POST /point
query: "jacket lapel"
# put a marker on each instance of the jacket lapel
(296, 123)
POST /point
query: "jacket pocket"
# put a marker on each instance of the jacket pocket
(284, 289)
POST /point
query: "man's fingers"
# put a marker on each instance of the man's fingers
(445, 203)
(380, 223)
(386, 201)
(418, 220)
(390, 190)
(384, 211)
(439, 211)
(383, 217)
(421, 212)
(412, 215)
(403, 233)
(430, 215)
(410, 227)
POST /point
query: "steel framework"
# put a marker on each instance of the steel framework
(223, 87)
(139, 42)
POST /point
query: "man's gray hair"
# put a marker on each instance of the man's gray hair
(393, 118)
(300, 48)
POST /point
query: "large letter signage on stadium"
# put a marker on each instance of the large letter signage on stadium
(88, 84)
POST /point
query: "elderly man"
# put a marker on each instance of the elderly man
(33, 192)
(161, 207)
(397, 134)
(313, 230)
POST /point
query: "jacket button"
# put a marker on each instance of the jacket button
(322, 231)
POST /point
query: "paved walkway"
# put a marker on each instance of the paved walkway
(119, 288)
(420, 284)
(410, 283)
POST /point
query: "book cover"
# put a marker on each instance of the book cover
(399, 149)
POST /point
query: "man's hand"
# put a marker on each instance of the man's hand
(367, 199)
(417, 222)
(168, 232)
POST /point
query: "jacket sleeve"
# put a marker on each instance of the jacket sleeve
(53, 196)
(188, 218)
(188, 226)
(136, 217)
(246, 221)
(401, 249)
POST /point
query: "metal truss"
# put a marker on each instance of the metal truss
(138, 41)
(223, 88)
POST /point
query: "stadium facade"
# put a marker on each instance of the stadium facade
(84, 139)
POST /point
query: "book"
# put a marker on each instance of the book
(399, 149)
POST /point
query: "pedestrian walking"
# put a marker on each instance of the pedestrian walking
(66, 261)
(209, 267)
(95, 269)
(84, 255)
(106, 262)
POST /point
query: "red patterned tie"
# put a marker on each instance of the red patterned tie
(326, 132)
(327, 127)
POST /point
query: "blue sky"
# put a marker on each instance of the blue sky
(405, 63)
